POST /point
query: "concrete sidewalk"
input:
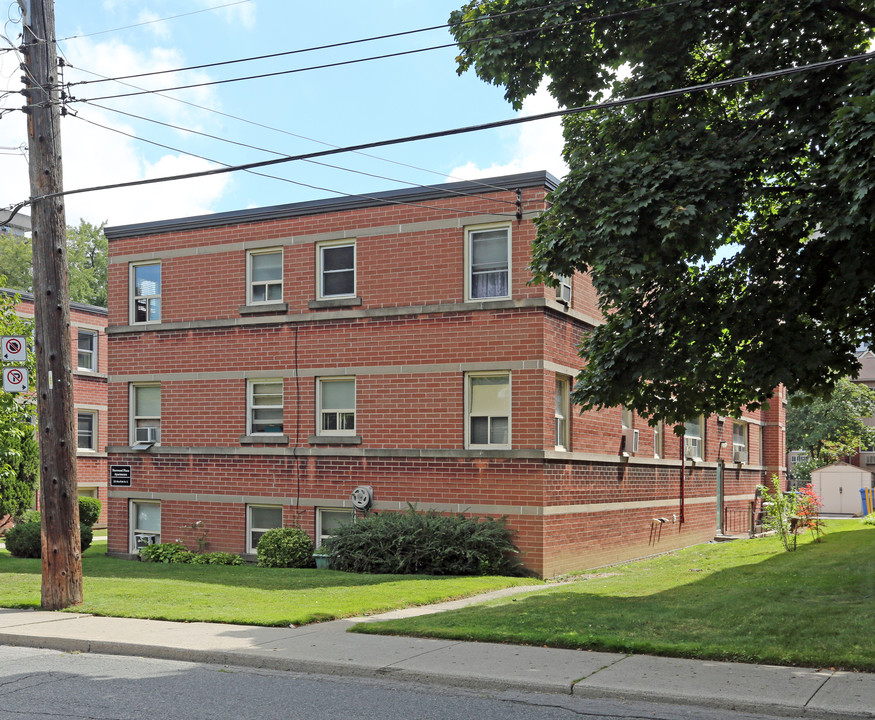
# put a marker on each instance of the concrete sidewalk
(328, 649)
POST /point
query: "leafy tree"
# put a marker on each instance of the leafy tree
(86, 260)
(16, 259)
(777, 174)
(19, 454)
(830, 428)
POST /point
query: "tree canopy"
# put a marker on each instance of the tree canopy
(832, 427)
(729, 232)
(86, 260)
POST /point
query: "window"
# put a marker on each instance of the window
(86, 491)
(87, 430)
(561, 418)
(265, 407)
(328, 520)
(657, 440)
(563, 290)
(146, 414)
(489, 410)
(626, 417)
(336, 269)
(260, 519)
(335, 401)
(86, 358)
(694, 439)
(146, 293)
(488, 254)
(739, 442)
(265, 277)
(145, 524)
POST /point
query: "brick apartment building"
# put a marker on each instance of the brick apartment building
(265, 363)
(89, 347)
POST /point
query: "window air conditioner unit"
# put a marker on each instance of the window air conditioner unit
(146, 435)
(692, 448)
(739, 456)
(630, 441)
(563, 292)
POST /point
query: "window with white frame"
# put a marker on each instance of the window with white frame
(86, 423)
(563, 289)
(488, 254)
(336, 269)
(145, 519)
(265, 407)
(146, 292)
(260, 519)
(328, 520)
(658, 440)
(86, 354)
(626, 417)
(694, 439)
(488, 399)
(146, 414)
(335, 403)
(562, 403)
(739, 441)
(265, 276)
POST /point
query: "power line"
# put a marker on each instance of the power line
(300, 137)
(607, 105)
(157, 20)
(289, 180)
(285, 53)
(275, 152)
(385, 56)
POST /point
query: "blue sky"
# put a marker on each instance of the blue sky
(340, 106)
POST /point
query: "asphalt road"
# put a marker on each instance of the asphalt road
(37, 683)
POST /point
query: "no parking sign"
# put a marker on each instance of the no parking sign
(15, 379)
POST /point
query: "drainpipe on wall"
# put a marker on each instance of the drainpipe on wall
(720, 466)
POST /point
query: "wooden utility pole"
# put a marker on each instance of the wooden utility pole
(61, 548)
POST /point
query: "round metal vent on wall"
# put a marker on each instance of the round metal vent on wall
(362, 497)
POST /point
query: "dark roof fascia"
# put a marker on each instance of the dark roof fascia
(328, 205)
(84, 307)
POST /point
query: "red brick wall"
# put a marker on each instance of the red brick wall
(570, 510)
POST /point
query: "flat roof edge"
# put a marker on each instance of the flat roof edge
(326, 205)
(84, 307)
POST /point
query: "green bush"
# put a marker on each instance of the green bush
(285, 547)
(31, 516)
(869, 519)
(425, 543)
(218, 558)
(169, 552)
(25, 541)
(89, 510)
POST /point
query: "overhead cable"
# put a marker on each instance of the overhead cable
(606, 105)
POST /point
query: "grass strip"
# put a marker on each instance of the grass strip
(745, 601)
(244, 595)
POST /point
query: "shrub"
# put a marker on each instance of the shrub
(869, 519)
(25, 541)
(30, 516)
(169, 552)
(285, 547)
(425, 543)
(218, 558)
(89, 510)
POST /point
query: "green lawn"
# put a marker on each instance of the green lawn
(747, 601)
(248, 595)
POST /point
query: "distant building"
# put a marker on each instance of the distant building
(866, 376)
(267, 363)
(89, 347)
(19, 225)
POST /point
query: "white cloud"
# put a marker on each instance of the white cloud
(96, 156)
(241, 13)
(535, 145)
